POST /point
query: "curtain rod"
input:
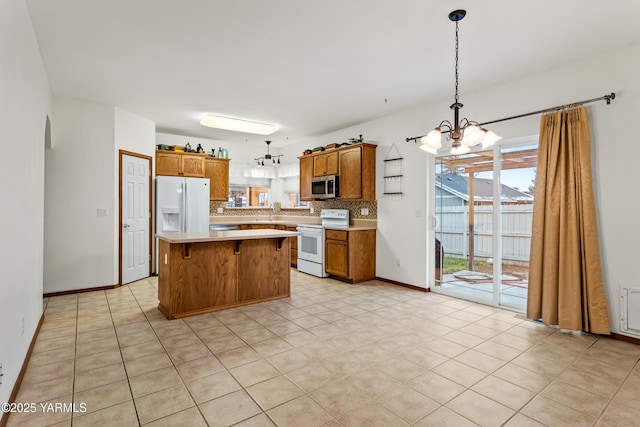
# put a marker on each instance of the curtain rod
(607, 98)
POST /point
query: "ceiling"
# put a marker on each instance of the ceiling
(311, 67)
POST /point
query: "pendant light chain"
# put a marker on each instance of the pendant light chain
(464, 133)
(456, 98)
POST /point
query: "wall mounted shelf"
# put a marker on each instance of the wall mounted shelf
(393, 173)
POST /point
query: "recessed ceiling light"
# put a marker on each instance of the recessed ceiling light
(238, 125)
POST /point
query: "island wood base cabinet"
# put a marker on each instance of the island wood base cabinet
(201, 277)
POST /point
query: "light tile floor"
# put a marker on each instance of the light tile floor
(333, 354)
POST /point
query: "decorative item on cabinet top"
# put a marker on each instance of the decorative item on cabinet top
(332, 146)
(393, 173)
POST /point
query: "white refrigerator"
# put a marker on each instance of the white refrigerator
(182, 204)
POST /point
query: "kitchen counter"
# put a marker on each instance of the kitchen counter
(203, 272)
(291, 221)
(218, 236)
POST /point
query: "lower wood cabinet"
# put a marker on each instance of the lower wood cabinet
(256, 227)
(294, 247)
(294, 240)
(351, 255)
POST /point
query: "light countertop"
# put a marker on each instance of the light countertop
(217, 236)
(355, 224)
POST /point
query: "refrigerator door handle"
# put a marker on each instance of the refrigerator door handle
(184, 207)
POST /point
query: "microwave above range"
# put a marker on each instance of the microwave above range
(324, 187)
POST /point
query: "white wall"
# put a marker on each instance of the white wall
(24, 106)
(81, 248)
(137, 135)
(402, 224)
(79, 180)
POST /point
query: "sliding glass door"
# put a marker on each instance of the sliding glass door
(483, 210)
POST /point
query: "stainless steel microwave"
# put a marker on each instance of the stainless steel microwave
(324, 187)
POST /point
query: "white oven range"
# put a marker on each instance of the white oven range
(311, 241)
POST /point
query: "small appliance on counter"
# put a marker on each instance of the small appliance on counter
(311, 241)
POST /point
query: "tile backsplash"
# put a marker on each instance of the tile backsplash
(355, 209)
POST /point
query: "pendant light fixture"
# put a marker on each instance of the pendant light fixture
(462, 133)
(268, 156)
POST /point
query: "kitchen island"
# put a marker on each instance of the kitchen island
(203, 272)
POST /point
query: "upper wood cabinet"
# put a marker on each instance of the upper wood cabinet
(179, 164)
(306, 174)
(350, 184)
(325, 164)
(355, 166)
(217, 170)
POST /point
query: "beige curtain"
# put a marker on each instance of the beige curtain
(565, 277)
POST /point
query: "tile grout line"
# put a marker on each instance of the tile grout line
(124, 366)
(317, 299)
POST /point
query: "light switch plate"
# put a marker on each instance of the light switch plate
(220, 210)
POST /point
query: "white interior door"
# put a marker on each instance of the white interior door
(135, 219)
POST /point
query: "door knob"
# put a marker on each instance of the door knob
(126, 226)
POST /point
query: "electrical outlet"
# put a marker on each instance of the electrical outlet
(1, 373)
(22, 332)
(418, 213)
(220, 210)
(311, 210)
(364, 211)
(103, 211)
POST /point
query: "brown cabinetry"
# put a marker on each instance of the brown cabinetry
(203, 276)
(294, 247)
(198, 166)
(337, 253)
(217, 170)
(358, 173)
(256, 227)
(355, 165)
(351, 255)
(306, 174)
(180, 164)
(325, 164)
(294, 240)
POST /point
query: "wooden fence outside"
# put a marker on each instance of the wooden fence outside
(453, 232)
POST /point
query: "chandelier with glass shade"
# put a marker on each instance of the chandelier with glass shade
(464, 133)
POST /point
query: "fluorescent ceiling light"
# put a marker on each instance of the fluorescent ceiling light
(238, 125)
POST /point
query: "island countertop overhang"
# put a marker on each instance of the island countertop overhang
(218, 236)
